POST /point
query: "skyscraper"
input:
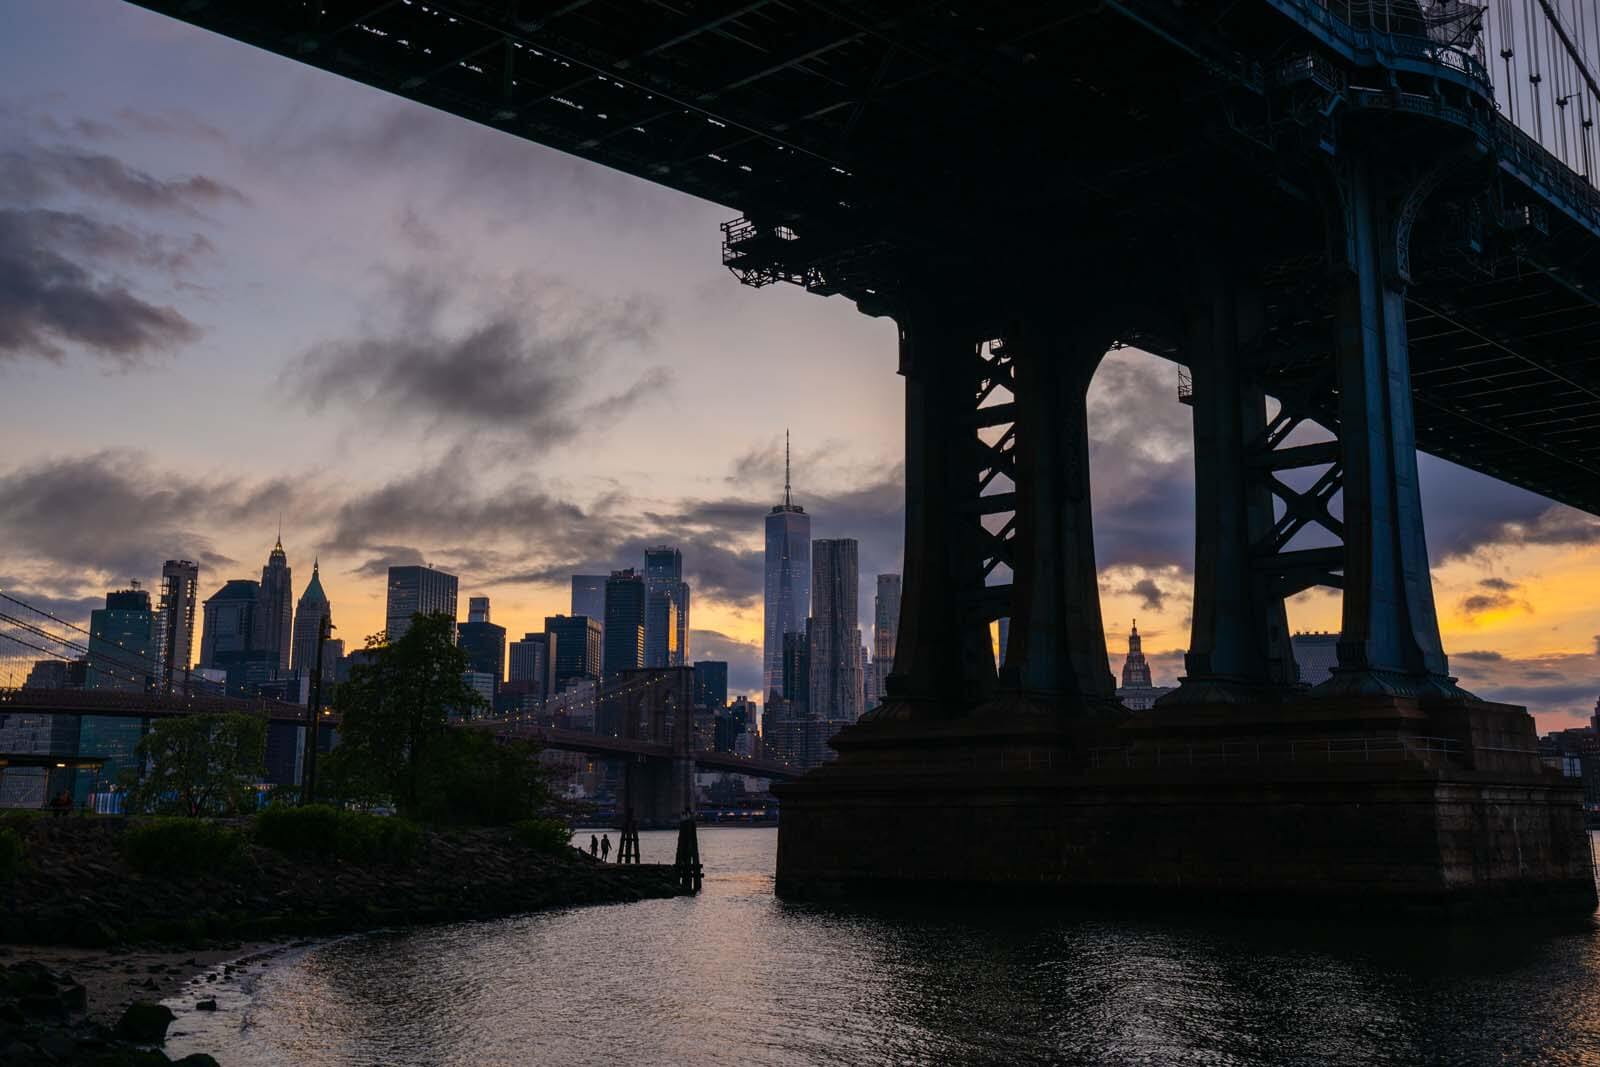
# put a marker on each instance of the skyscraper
(885, 621)
(589, 598)
(836, 691)
(576, 641)
(180, 582)
(531, 664)
(484, 643)
(787, 599)
(308, 616)
(274, 615)
(122, 643)
(624, 635)
(711, 683)
(227, 620)
(666, 625)
(417, 590)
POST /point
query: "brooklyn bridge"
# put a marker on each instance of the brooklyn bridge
(1363, 228)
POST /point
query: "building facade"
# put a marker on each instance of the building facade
(1315, 656)
(484, 643)
(666, 630)
(574, 642)
(417, 590)
(122, 644)
(624, 624)
(529, 664)
(274, 615)
(711, 683)
(175, 622)
(786, 600)
(1138, 692)
(885, 622)
(836, 688)
(309, 617)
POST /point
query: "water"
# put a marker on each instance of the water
(737, 977)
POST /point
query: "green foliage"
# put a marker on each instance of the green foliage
(200, 765)
(544, 835)
(324, 832)
(474, 779)
(395, 717)
(181, 846)
(12, 853)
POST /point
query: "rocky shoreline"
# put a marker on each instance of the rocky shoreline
(127, 938)
(77, 889)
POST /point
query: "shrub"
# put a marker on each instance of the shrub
(544, 835)
(181, 845)
(11, 854)
(324, 832)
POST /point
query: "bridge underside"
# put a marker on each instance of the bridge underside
(1325, 223)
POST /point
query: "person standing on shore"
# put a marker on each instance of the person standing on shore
(605, 848)
(594, 845)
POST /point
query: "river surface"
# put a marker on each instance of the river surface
(734, 976)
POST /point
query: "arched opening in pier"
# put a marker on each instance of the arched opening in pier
(1141, 461)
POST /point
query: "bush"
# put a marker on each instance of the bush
(323, 832)
(11, 854)
(544, 835)
(181, 845)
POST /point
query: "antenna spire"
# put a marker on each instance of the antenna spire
(786, 501)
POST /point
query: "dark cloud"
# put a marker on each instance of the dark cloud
(388, 556)
(1141, 458)
(1556, 684)
(48, 300)
(743, 658)
(1498, 593)
(1150, 594)
(35, 173)
(113, 516)
(1467, 513)
(1479, 656)
(527, 368)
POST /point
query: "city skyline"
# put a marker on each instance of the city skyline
(288, 229)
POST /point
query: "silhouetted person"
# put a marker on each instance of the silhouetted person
(605, 847)
(594, 845)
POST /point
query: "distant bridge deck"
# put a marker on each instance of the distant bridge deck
(139, 705)
(606, 745)
(163, 705)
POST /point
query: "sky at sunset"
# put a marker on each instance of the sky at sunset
(234, 288)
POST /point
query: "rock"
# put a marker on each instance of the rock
(145, 1022)
(196, 1059)
(148, 983)
(209, 1004)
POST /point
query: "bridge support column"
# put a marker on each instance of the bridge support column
(1389, 641)
(1055, 658)
(1239, 639)
(944, 662)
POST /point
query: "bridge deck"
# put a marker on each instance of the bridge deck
(812, 114)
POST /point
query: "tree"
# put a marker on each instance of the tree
(200, 764)
(395, 711)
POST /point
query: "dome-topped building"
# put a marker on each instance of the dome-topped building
(1138, 692)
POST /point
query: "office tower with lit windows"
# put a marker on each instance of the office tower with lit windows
(484, 643)
(417, 590)
(624, 625)
(575, 650)
(666, 626)
(175, 619)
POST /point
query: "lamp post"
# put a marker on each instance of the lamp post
(314, 716)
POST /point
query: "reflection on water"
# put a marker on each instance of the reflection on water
(737, 977)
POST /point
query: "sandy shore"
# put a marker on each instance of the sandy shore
(113, 980)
